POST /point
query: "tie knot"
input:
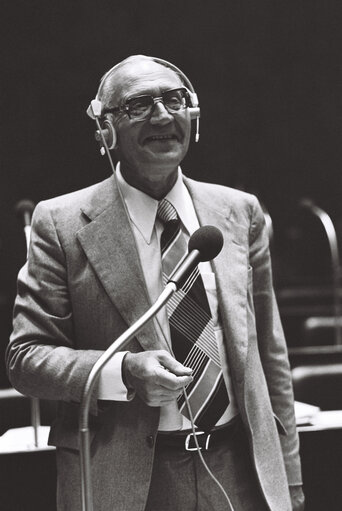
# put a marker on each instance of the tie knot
(166, 211)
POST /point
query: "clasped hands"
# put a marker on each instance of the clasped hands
(156, 376)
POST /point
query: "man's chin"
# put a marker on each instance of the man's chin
(166, 152)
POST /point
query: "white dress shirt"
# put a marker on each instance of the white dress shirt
(147, 230)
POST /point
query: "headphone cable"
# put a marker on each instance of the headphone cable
(107, 152)
(201, 455)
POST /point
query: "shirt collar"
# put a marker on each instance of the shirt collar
(142, 208)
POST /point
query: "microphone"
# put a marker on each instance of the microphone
(204, 244)
(24, 209)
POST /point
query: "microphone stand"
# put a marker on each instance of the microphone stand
(19, 440)
(335, 261)
(117, 345)
(34, 401)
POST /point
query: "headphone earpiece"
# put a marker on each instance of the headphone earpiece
(194, 109)
(194, 113)
(108, 132)
(105, 129)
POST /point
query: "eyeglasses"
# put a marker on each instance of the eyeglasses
(142, 107)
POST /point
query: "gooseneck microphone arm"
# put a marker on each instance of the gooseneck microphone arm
(119, 344)
(204, 245)
(335, 260)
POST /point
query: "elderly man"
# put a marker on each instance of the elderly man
(96, 262)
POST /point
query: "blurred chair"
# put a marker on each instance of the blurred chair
(27, 473)
(319, 385)
(15, 410)
(332, 238)
(321, 330)
(315, 355)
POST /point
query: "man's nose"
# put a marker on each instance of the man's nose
(160, 115)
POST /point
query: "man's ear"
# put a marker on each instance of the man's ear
(107, 131)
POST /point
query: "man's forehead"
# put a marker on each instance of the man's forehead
(142, 75)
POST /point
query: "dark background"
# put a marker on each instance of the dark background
(268, 76)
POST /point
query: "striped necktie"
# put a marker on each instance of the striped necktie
(192, 330)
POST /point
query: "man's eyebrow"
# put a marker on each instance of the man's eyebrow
(154, 95)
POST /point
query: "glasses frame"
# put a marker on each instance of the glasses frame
(124, 108)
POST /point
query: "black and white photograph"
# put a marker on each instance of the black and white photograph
(171, 255)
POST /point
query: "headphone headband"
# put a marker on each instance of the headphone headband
(165, 63)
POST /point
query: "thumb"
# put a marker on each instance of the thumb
(175, 367)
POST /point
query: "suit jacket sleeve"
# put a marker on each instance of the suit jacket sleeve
(42, 358)
(272, 345)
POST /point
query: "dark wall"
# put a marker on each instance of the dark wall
(267, 73)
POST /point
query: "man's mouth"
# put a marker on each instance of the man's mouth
(158, 138)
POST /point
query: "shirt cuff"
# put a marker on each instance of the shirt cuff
(111, 386)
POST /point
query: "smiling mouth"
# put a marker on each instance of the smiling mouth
(161, 138)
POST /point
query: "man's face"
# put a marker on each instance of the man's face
(153, 148)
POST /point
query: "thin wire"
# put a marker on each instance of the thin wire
(104, 143)
(200, 454)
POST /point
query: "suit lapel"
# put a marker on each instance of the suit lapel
(109, 245)
(230, 268)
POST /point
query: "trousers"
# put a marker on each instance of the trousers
(181, 483)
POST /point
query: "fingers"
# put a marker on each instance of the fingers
(173, 365)
(170, 381)
(156, 376)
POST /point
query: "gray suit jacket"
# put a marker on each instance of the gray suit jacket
(83, 286)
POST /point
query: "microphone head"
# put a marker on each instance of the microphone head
(208, 240)
(24, 206)
(305, 202)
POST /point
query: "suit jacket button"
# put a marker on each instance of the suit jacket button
(150, 440)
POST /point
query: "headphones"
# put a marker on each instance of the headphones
(106, 135)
